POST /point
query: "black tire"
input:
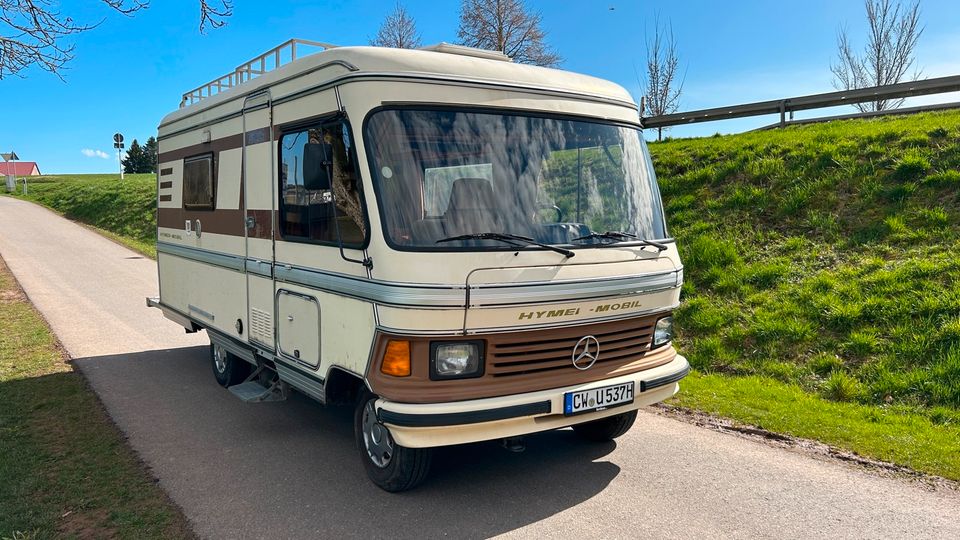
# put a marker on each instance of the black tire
(606, 429)
(399, 468)
(230, 369)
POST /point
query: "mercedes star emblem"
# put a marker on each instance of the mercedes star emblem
(585, 353)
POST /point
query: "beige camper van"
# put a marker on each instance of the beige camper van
(465, 248)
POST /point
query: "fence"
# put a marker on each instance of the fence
(783, 107)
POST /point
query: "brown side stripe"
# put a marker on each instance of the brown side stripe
(258, 136)
(229, 222)
(166, 185)
(166, 198)
(166, 172)
(217, 145)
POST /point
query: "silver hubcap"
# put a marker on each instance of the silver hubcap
(220, 358)
(376, 437)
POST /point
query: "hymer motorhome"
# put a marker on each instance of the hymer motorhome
(466, 248)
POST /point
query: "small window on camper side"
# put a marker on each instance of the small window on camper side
(199, 191)
(320, 188)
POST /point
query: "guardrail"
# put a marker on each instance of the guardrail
(787, 106)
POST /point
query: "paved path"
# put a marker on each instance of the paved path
(289, 470)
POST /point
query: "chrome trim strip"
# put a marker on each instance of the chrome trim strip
(574, 290)
(259, 268)
(435, 295)
(200, 312)
(224, 260)
(299, 380)
(487, 295)
(381, 292)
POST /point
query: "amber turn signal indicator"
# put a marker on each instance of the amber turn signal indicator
(396, 360)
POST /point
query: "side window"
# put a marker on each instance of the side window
(199, 183)
(319, 186)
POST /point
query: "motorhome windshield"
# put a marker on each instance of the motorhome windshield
(441, 174)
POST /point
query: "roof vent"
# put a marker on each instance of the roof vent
(463, 50)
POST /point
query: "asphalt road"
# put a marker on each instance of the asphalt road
(290, 469)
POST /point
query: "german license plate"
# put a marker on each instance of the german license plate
(597, 399)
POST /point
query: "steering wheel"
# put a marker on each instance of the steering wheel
(553, 207)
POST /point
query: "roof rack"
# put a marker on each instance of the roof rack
(280, 55)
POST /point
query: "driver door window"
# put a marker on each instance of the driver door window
(319, 186)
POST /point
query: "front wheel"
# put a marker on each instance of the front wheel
(606, 429)
(392, 467)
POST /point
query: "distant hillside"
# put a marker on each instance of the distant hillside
(825, 255)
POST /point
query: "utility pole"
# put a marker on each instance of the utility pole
(118, 144)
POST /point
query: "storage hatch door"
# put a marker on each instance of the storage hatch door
(298, 327)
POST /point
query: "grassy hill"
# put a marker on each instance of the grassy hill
(825, 256)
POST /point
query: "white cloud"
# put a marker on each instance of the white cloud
(95, 153)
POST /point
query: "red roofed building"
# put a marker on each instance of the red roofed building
(19, 168)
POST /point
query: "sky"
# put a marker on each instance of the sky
(131, 71)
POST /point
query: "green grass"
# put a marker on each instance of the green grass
(833, 244)
(902, 436)
(124, 211)
(65, 470)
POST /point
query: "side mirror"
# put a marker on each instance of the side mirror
(317, 166)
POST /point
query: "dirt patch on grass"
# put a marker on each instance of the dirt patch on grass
(86, 524)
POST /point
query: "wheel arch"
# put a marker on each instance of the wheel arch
(342, 386)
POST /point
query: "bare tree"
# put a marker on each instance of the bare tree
(662, 90)
(398, 30)
(506, 26)
(32, 32)
(887, 56)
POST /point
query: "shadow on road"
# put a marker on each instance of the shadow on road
(291, 468)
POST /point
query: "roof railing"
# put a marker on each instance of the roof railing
(271, 60)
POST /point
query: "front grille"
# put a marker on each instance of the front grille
(620, 345)
(526, 361)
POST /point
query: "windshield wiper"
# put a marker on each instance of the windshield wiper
(513, 239)
(619, 236)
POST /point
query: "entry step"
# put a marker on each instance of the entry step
(254, 392)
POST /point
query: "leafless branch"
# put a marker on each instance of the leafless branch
(662, 89)
(398, 30)
(887, 55)
(33, 32)
(213, 14)
(506, 26)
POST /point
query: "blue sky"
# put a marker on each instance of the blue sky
(129, 72)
